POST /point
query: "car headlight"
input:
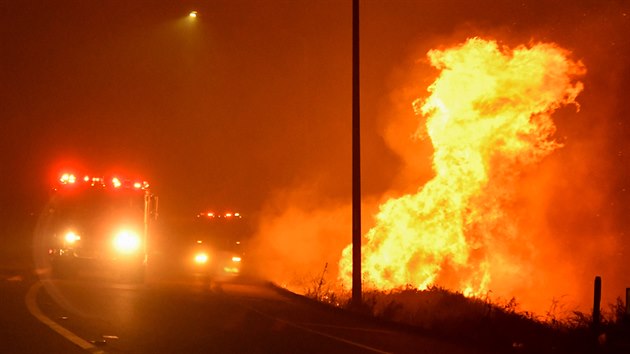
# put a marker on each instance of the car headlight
(127, 242)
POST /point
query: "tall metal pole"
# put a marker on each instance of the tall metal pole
(356, 160)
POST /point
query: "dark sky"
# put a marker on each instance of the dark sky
(215, 112)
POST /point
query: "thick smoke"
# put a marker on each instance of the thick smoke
(298, 239)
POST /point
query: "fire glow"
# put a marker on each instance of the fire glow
(488, 117)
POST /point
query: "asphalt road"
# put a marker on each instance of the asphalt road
(20, 332)
(185, 316)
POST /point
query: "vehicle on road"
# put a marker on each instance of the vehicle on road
(217, 244)
(101, 224)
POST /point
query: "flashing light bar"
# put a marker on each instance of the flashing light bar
(212, 215)
(114, 182)
(68, 178)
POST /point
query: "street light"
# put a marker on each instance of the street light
(193, 14)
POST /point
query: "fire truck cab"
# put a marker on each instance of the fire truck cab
(101, 224)
(217, 250)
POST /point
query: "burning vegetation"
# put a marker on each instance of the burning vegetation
(489, 119)
(490, 197)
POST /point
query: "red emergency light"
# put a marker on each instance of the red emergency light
(113, 182)
(213, 215)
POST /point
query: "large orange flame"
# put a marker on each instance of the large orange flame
(488, 116)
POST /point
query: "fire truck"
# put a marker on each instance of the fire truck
(100, 224)
(218, 244)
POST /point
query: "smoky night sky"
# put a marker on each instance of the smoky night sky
(252, 101)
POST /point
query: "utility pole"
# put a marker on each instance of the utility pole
(597, 298)
(356, 161)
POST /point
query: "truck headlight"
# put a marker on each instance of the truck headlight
(71, 237)
(201, 258)
(127, 241)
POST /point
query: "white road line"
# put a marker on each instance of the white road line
(323, 334)
(359, 329)
(31, 304)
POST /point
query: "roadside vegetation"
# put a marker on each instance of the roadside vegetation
(495, 325)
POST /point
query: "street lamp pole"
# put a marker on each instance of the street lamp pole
(356, 161)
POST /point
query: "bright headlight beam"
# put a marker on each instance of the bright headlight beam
(71, 237)
(127, 242)
(201, 258)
